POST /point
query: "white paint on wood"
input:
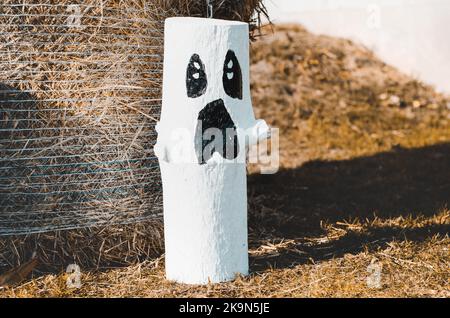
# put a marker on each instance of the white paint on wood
(205, 206)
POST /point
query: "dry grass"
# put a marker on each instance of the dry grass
(409, 268)
(364, 184)
(333, 99)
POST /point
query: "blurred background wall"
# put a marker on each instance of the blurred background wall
(413, 35)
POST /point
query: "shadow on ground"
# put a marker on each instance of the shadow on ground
(293, 204)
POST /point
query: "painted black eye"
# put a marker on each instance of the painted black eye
(232, 76)
(196, 81)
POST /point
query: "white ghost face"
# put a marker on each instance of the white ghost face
(206, 90)
(215, 116)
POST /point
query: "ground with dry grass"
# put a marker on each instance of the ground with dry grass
(360, 205)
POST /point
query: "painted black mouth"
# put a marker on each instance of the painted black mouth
(212, 120)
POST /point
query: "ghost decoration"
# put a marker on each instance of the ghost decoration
(206, 126)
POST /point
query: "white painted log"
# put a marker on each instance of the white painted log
(205, 204)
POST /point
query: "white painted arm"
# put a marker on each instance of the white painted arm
(160, 148)
(259, 132)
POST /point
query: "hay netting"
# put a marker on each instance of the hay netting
(80, 86)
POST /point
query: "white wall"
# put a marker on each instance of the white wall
(413, 35)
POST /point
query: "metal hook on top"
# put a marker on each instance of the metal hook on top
(209, 9)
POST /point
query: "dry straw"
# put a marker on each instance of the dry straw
(80, 85)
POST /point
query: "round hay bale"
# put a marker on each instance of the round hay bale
(80, 87)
